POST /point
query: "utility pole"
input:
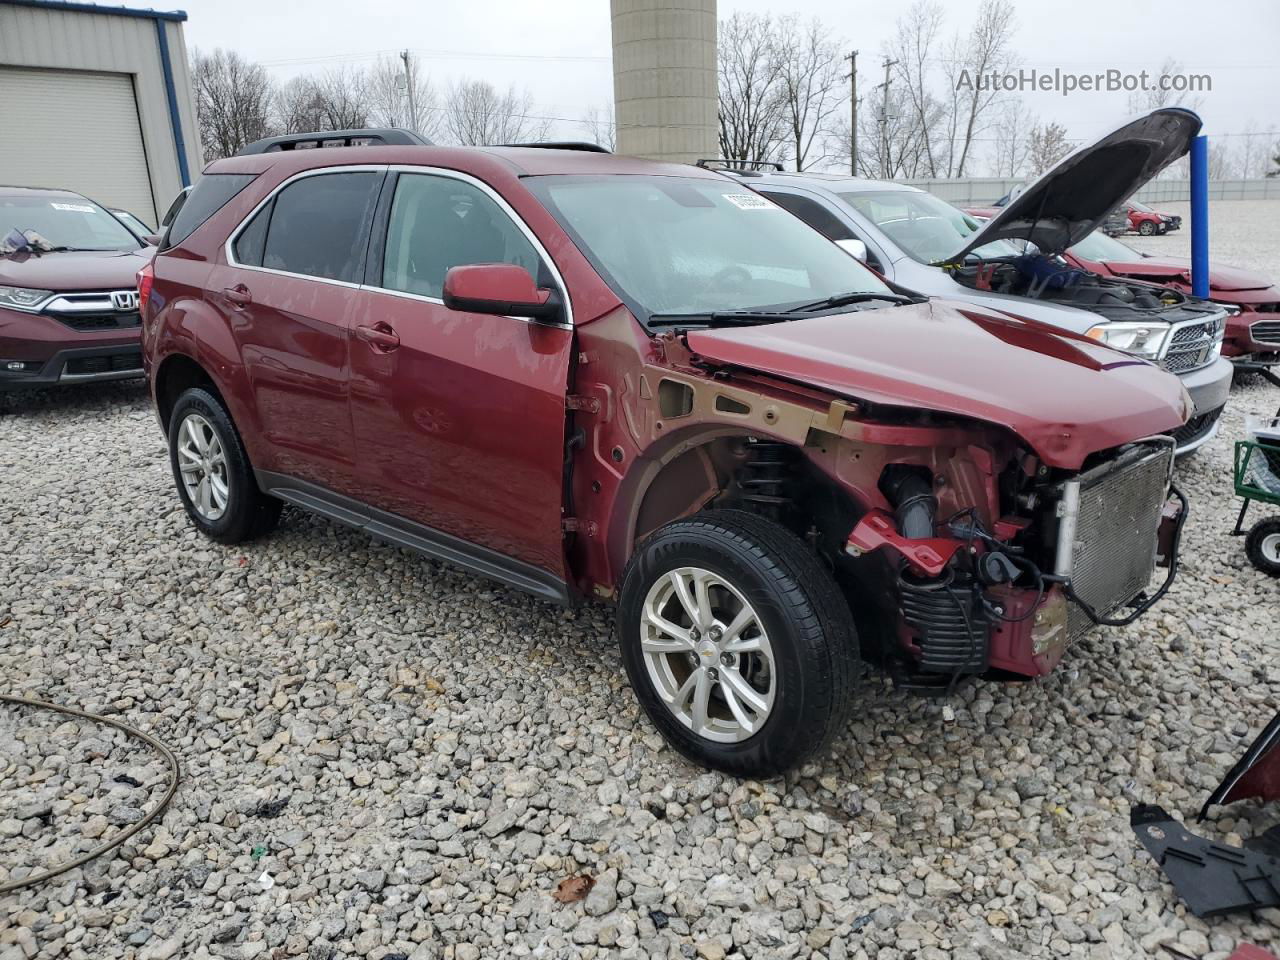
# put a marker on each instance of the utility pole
(853, 112)
(408, 82)
(884, 119)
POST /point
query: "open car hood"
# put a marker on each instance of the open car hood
(1064, 395)
(1065, 204)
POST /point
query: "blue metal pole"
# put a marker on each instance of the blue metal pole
(1200, 216)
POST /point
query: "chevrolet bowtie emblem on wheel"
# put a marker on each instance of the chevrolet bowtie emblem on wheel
(124, 299)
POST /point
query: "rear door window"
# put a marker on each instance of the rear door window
(440, 222)
(207, 197)
(319, 225)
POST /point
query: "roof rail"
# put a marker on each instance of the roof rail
(747, 167)
(369, 136)
(582, 145)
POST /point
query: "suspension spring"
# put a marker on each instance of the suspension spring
(765, 476)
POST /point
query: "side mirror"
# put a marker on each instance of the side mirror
(503, 289)
(151, 239)
(854, 247)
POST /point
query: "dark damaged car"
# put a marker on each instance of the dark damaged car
(588, 376)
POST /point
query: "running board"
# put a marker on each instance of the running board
(401, 532)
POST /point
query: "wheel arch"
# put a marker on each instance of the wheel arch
(683, 472)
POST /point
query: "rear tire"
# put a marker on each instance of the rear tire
(766, 679)
(212, 472)
(1262, 546)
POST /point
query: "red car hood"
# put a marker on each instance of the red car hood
(74, 269)
(1163, 269)
(1064, 395)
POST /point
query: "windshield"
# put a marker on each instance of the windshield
(685, 245)
(1100, 248)
(1140, 207)
(926, 228)
(132, 222)
(71, 222)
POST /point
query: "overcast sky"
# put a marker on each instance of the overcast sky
(560, 49)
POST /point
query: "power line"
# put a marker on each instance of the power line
(434, 54)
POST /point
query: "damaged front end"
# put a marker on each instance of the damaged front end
(1009, 595)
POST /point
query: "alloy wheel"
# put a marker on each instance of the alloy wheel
(202, 462)
(708, 655)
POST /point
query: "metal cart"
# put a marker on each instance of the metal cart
(1257, 478)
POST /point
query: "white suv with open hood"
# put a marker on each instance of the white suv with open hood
(924, 244)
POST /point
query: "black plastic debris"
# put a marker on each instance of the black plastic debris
(1211, 878)
(269, 809)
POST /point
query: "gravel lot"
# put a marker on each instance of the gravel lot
(384, 757)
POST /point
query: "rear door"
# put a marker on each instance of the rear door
(288, 292)
(459, 418)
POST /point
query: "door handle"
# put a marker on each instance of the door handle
(381, 337)
(239, 296)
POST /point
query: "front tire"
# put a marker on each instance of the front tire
(1146, 228)
(212, 471)
(738, 643)
(1262, 546)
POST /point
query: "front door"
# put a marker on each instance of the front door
(459, 418)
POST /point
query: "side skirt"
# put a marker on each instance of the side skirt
(397, 530)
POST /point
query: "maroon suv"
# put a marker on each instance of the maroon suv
(68, 290)
(592, 376)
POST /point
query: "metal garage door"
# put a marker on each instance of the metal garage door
(77, 131)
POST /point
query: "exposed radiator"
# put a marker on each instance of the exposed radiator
(1110, 516)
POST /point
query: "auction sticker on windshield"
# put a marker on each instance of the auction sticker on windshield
(74, 207)
(750, 201)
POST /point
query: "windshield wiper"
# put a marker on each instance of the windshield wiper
(848, 299)
(735, 318)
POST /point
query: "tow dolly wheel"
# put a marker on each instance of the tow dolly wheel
(1262, 546)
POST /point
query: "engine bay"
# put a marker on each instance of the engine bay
(1047, 278)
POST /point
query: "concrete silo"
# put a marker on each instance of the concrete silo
(664, 78)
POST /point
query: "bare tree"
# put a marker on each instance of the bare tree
(1046, 146)
(1253, 151)
(343, 98)
(233, 101)
(913, 50)
(476, 114)
(812, 82)
(601, 127)
(1153, 98)
(1011, 139)
(987, 50)
(752, 111)
(298, 107)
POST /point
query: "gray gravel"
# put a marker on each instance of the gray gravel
(385, 757)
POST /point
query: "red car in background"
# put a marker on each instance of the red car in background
(1253, 331)
(1144, 220)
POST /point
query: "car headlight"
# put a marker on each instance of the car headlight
(23, 298)
(1144, 340)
